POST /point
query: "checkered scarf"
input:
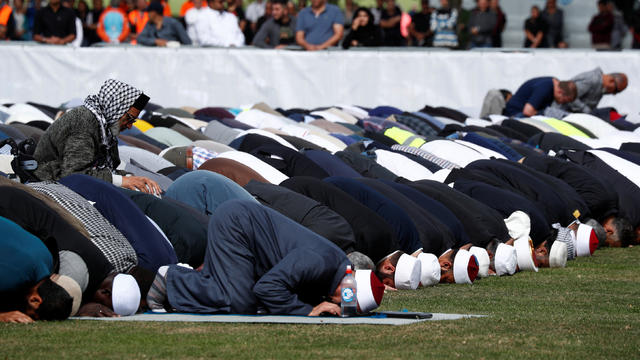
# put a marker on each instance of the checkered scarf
(112, 101)
(107, 238)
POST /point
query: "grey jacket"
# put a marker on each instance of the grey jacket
(590, 92)
(271, 30)
(72, 145)
(485, 21)
(171, 30)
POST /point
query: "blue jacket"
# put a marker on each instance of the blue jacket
(405, 230)
(258, 260)
(152, 248)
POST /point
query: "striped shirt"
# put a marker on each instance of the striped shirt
(443, 163)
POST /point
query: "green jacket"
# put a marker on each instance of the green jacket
(72, 145)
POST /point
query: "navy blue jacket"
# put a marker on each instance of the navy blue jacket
(374, 236)
(330, 163)
(628, 193)
(600, 198)
(435, 237)
(258, 260)
(152, 248)
(405, 230)
(436, 209)
(506, 202)
(306, 212)
(481, 223)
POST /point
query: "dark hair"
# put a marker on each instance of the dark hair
(505, 93)
(601, 233)
(144, 278)
(366, 10)
(393, 259)
(56, 302)
(568, 88)
(158, 8)
(491, 247)
(360, 261)
(454, 252)
(623, 231)
(551, 239)
(280, 2)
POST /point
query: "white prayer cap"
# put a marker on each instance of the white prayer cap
(407, 276)
(505, 260)
(429, 269)
(586, 240)
(465, 267)
(519, 225)
(72, 288)
(125, 295)
(483, 260)
(558, 254)
(369, 290)
(524, 253)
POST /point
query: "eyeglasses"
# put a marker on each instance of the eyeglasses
(130, 119)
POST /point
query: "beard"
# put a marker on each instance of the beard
(115, 128)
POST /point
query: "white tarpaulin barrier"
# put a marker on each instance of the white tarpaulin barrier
(233, 77)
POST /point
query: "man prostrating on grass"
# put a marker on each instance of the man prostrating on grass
(260, 262)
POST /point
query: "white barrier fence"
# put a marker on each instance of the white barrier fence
(234, 77)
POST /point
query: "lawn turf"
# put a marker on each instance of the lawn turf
(589, 310)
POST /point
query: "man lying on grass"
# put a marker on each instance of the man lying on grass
(260, 262)
(28, 289)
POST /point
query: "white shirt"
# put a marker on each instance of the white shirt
(625, 167)
(594, 124)
(265, 170)
(402, 165)
(255, 10)
(208, 27)
(457, 153)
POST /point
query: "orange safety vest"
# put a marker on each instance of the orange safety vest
(5, 13)
(138, 19)
(101, 31)
(188, 5)
(167, 8)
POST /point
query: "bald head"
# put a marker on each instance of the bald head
(614, 83)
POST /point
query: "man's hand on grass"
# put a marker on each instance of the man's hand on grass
(325, 307)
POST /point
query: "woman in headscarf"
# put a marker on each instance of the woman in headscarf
(84, 139)
(363, 31)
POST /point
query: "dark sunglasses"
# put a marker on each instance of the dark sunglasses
(130, 119)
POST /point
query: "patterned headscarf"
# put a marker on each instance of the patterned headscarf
(113, 100)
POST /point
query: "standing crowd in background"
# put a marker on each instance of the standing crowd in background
(315, 25)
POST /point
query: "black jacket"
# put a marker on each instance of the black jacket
(35, 216)
(628, 193)
(305, 211)
(374, 237)
(601, 199)
(481, 223)
(434, 236)
(186, 233)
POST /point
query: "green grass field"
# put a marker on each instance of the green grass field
(589, 310)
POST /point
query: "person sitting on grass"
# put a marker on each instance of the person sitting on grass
(84, 139)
